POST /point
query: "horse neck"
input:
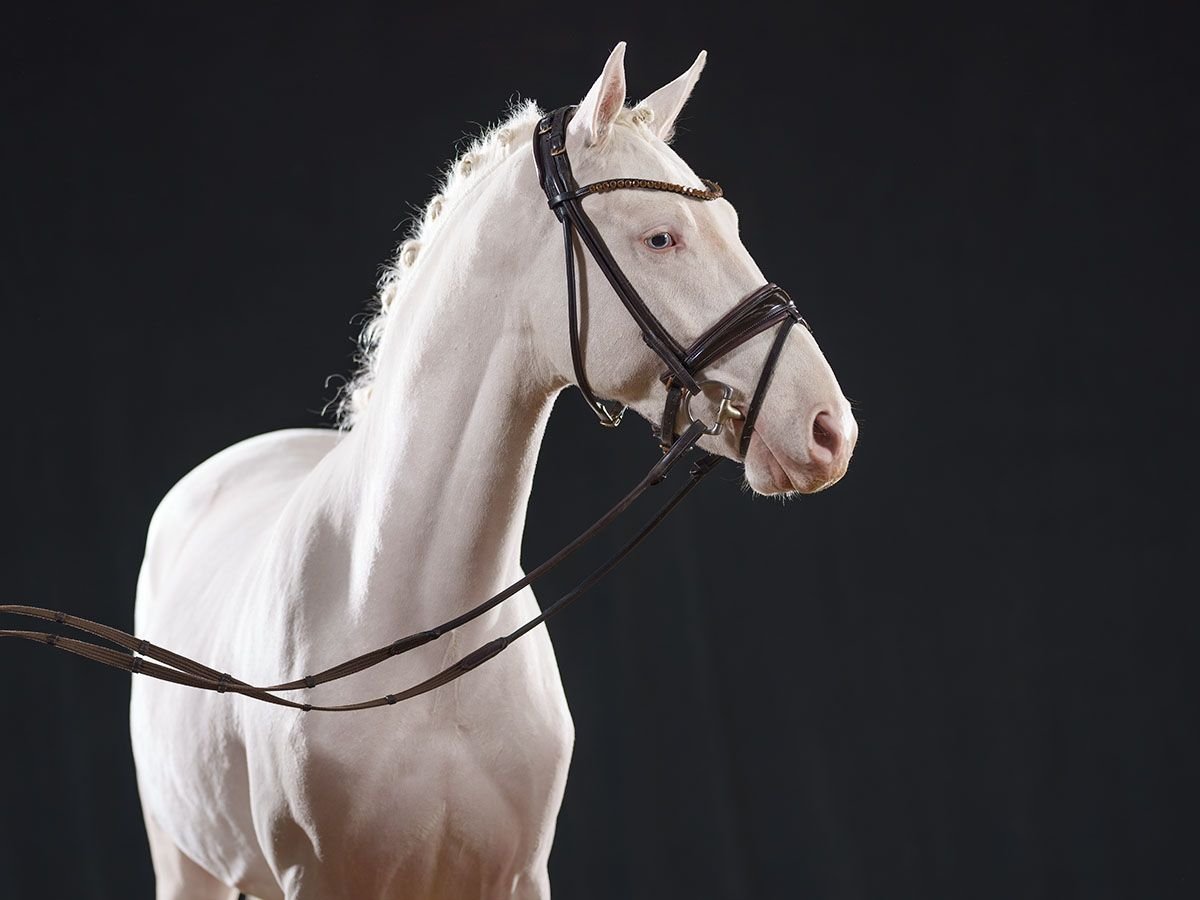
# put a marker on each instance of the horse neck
(442, 460)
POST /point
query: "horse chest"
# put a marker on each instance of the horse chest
(478, 770)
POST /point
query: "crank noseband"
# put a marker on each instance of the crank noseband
(767, 307)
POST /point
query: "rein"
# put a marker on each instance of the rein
(764, 308)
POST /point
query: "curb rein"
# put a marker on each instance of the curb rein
(764, 308)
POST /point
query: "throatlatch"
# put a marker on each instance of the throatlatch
(764, 308)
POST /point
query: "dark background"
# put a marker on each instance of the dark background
(965, 672)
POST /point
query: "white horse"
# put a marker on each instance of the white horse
(293, 550)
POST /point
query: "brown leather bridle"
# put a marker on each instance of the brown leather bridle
(766, 307)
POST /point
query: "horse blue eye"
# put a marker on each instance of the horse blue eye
(660, 241)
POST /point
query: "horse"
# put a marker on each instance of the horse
(279, 554)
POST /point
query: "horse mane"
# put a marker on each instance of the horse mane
(481, 156)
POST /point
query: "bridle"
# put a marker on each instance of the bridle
(764, 308)
(767, 307)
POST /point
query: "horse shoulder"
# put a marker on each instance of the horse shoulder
(218, 507)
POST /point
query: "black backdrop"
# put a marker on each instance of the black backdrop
(961, 673)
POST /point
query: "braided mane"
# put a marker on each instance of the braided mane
(481, 156)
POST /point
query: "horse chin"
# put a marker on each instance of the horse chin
(772, 474)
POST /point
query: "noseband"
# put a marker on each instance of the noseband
(764, 308)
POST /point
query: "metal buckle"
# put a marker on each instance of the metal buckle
(726, 411)
(607, 417)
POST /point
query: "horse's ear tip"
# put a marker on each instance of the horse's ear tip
(616, 57)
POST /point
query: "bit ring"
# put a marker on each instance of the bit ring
(726, 411)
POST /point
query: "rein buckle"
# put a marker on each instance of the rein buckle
(606, 416)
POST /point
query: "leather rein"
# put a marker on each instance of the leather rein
(768, 306)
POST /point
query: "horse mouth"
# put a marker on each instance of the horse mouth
(784, 479)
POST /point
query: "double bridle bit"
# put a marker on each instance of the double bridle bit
(764, 308)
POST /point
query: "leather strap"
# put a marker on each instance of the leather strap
(609, 413)
(183, 670)
(564, 196)
(765, 308)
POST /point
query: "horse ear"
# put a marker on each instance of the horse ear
(667, 102)
(596, 114)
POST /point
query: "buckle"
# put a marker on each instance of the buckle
(606, 416)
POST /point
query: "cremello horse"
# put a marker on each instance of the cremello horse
(293, 550)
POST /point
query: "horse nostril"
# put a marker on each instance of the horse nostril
(826, 438)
